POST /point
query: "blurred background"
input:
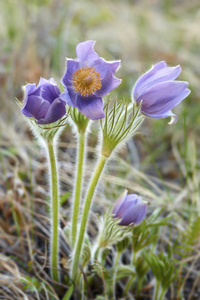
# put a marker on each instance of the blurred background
(163, 162)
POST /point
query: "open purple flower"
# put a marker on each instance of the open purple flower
(130, 209)
(43, 102)
(88, 78)
(159, 92)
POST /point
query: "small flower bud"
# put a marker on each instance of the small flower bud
(130, 209)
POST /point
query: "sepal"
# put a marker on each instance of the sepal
(47, 131)
(120, 123)
(110, 230)
(78, 119)
(123, 244)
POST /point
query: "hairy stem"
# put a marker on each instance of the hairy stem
(162, 295)
(54, 211)
(77, 196)
(157, 289)
(84, 219)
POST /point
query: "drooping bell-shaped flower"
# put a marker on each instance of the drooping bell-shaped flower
(159, 92)
(130, 209)
(88, 78)
(43, 102)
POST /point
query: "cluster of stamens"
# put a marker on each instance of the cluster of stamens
(86, 81)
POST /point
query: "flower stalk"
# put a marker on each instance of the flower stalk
(77, 196)
(54, 212)
(85, 214)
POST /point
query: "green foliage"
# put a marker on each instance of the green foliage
(111, 232)
(32, 284)
(104, 253)
(187, 241)
(141, 267)
(123, 244)
(120, 123)
(142, 237)
(163, 268)
(124, 271)
(48, 131)
(65, 197)
(100, 271)
(192, 235)
(69, 293)
(80, 120)
(85, 255)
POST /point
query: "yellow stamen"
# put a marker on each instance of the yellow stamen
(86, 81)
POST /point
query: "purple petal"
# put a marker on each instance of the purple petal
(72, 66)
(91, 107)
(35, 107)
(165, 74)
(147, 75)
(50, 92)
(130, 202)
(109, 83)
(42, 82)
(162, 94)
(65, 96)
(86, 53)
(103, 67)
(164, 108)
(56, 111)
(135, 214)
(134, 199)
(30, 88)
(119, 202)
(161, 116)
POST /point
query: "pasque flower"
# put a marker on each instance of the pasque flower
(43, 102)
(130, 209)
(159, 92)
(88, 78)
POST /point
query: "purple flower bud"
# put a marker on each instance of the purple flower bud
(130, 209)
(88, 78)
(43, 102)
(159, 92)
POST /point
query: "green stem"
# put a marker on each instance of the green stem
(139, 285)
(88, 200)
(117, 259)
(129, 282)
(134, 258)
(157, 290)
(54, 213)
(127, 286)
(162, 294)
(77, 196)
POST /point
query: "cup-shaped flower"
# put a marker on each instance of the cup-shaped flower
(159, 92)
(130, 209)
(43, 102)
(88, 78)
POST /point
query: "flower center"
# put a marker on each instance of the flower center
(86, 81)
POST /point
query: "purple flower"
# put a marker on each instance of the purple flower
(130, 209)
(43, 102)
(89, 78)
(159, 92)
